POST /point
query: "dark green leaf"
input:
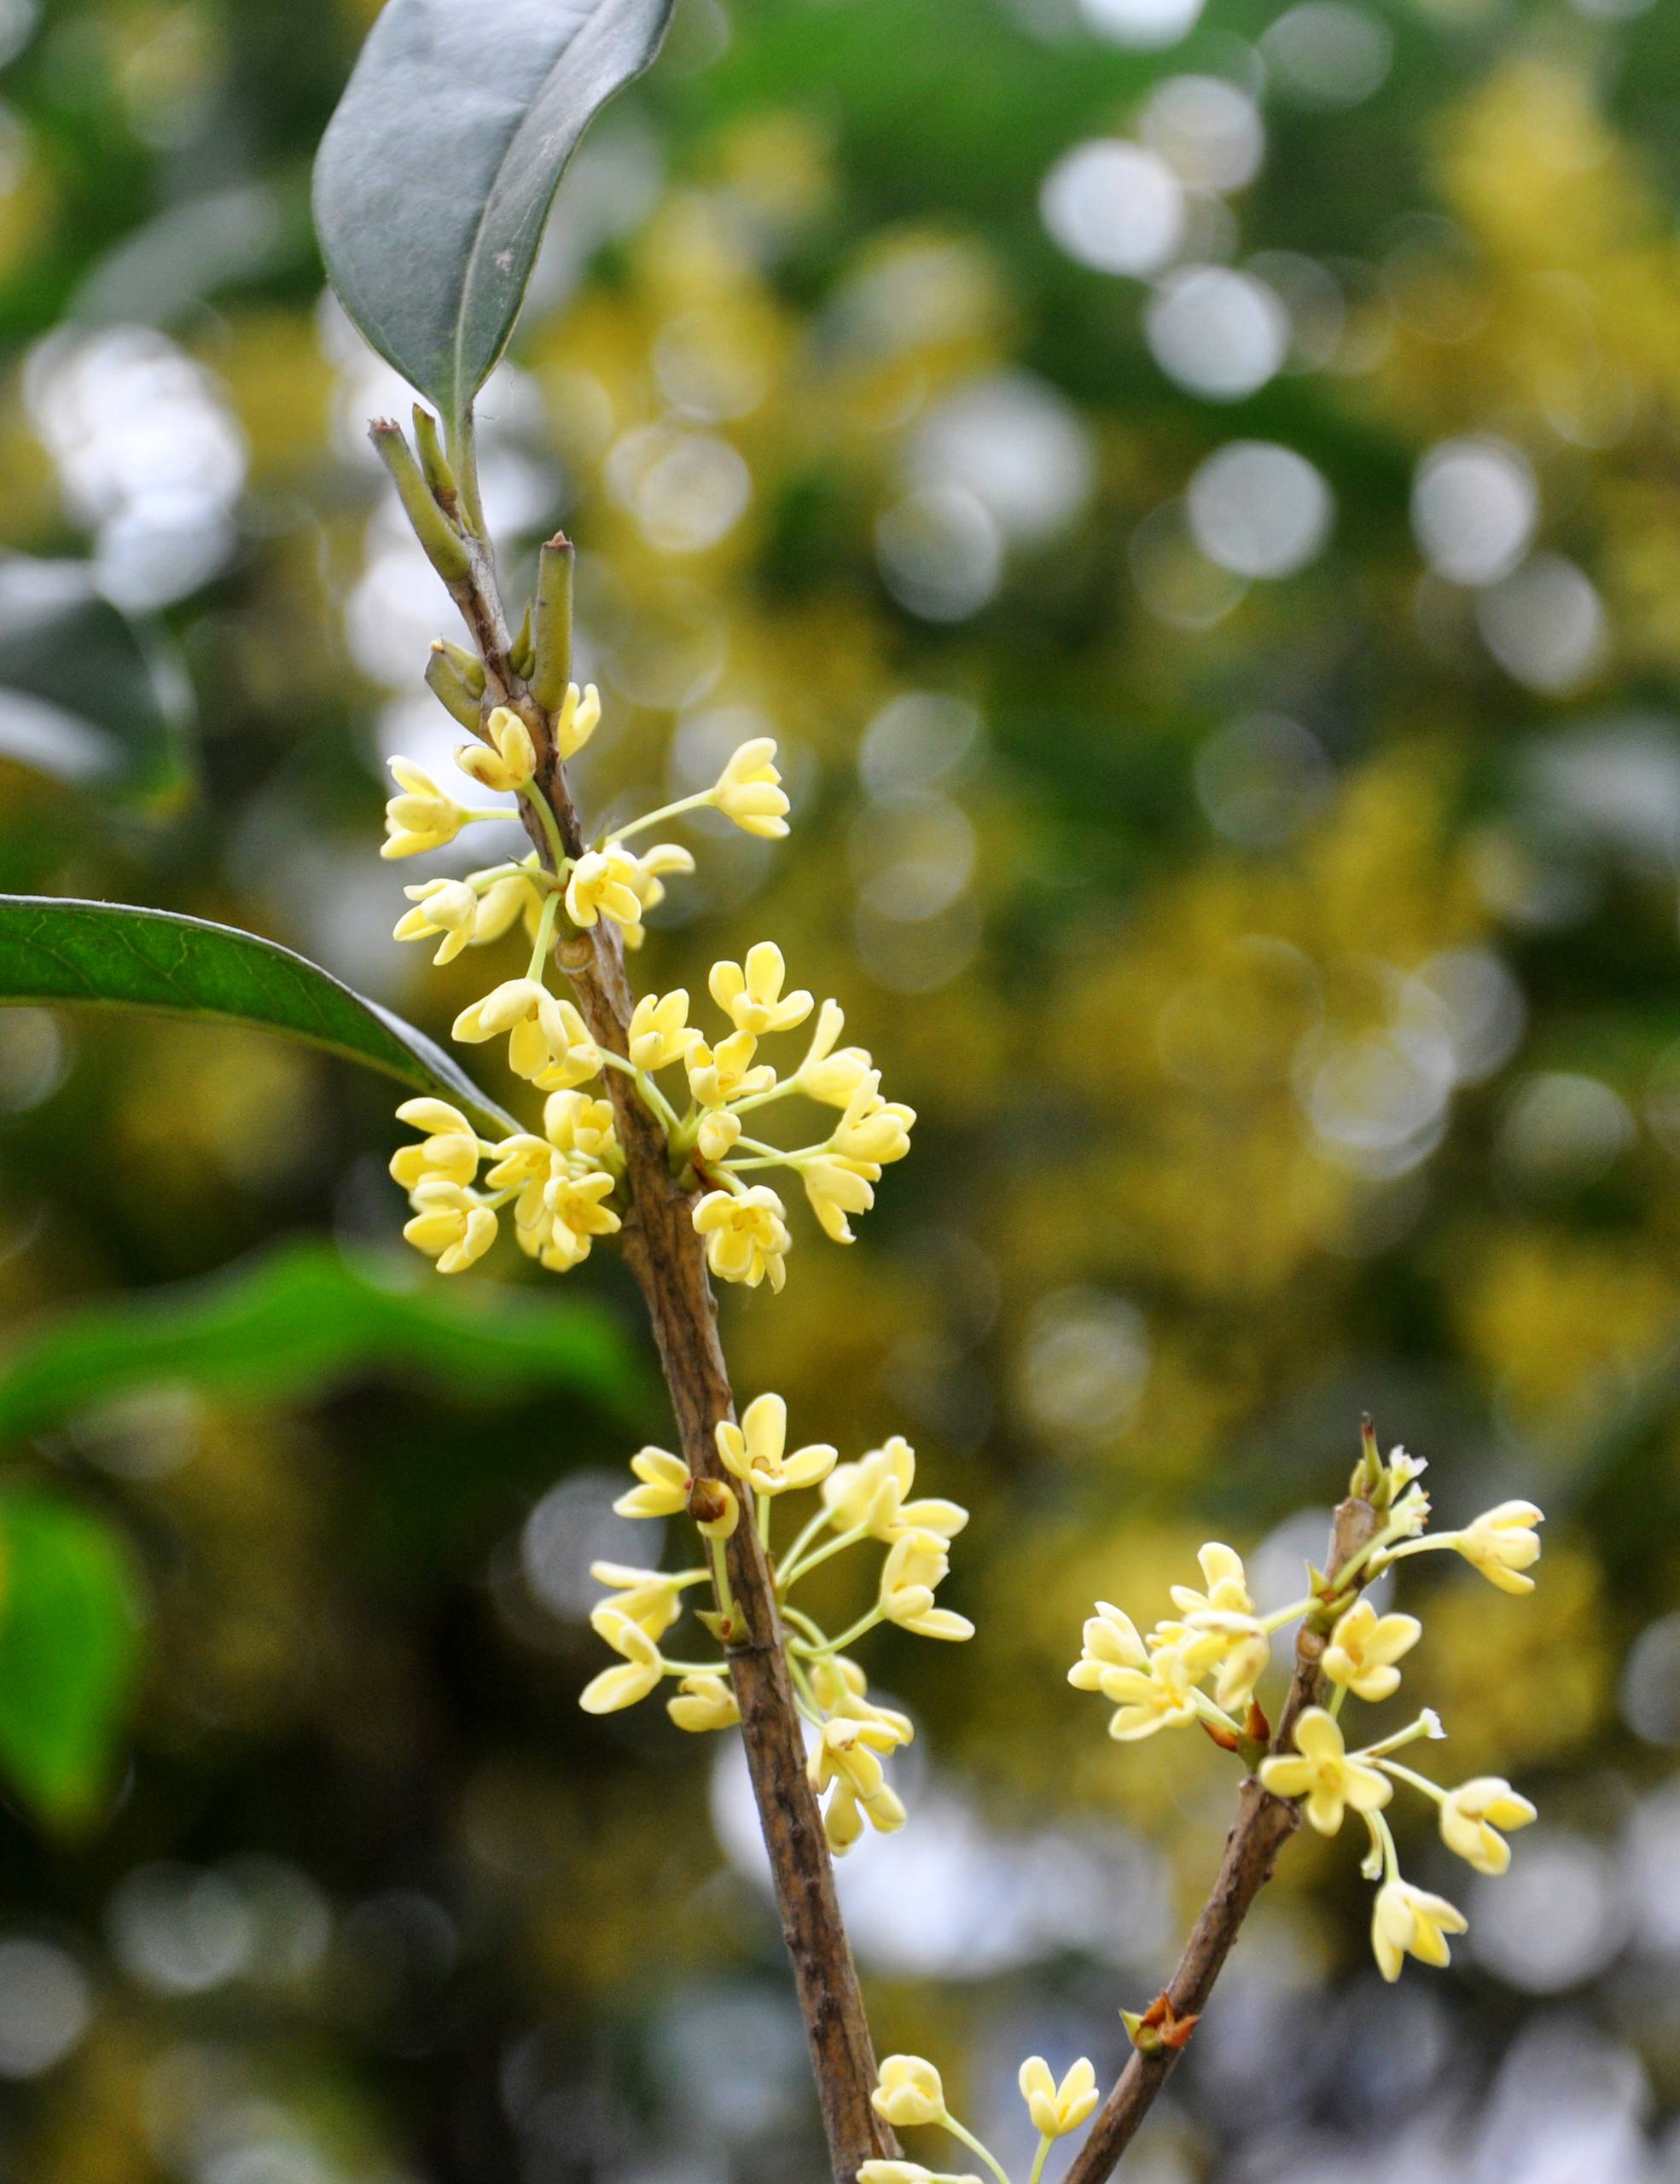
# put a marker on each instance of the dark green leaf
(69, 1645)
(436, 174)
(299, 1322)
(54, 950)
(86, 693)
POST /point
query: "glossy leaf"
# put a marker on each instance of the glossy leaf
(86, 693)
(113, 955)
(303, 1321)
(70, 1622)
(436, 174)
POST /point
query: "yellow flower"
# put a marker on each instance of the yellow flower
(544, 1033)
(1408, 1921)
(422, 817)
(449, 1151)
(750, 994)
(717, 1075)
(837, 1188)
(660, 1031)
(653, 1598)
(1055, 2110)
(603, 884)
(663, 1491)
(1109, 1641)
(502, 903)
(576, 1217)
(909, 2091)
(1502, 1544)
(873, 1129)
(525, 1163)
(844, 1762)
(1324, 1774)
(825, 1076)
(1237, 1644)
(574, 1124)
(450, 1225)
(1227, 1586)
(1364, 1648)
(872, 1491)
(643, 1665)
(577, 1061)
(506, 760)
(578, 717)
(1161, 1696)
(752, 1450)
(746, 1236)
(1471, 1815)
(447, 907)
(718, 1130)
(703, 1703)
(916, 1563)
(749, 790)
(646, 879)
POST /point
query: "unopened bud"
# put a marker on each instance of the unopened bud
(1160, 2029)
(1143, 2036)
(521, 654)
(435, 464)
(442, 544)
(450, 687)
(551, 625)
(1366, 1483)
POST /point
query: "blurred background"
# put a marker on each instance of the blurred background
(1195, 491)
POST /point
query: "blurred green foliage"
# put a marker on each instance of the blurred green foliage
(1228, 703)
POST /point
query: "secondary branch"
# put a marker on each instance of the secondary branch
(1264, 1824)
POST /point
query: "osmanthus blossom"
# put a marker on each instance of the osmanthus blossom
(1408, 1921)
(1328, 1779)
(859, 1504)
(712, 1124)
(1203, 1667)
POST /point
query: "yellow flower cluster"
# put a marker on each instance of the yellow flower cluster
(555, 1184)
(909, 2092)
(869, 1500)
(743, 1221)
(1160, 1682)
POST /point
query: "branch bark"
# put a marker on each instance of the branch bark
(667, 1260)
(1264, 1824)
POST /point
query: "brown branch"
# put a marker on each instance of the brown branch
(666, 1258)
(1264, 1824)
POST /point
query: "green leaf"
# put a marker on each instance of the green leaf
(69, 1645)
(54, 949)
(300, 1321)
(434, 179)
(86, 693)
